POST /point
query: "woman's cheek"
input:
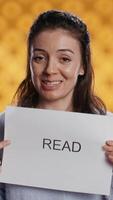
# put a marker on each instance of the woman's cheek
(70, 72)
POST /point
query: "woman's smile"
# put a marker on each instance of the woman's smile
(50, 84)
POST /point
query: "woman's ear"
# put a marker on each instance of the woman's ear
(81, 71)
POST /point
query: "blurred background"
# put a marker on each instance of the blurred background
(17, 16)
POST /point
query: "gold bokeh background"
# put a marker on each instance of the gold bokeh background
(17, 16)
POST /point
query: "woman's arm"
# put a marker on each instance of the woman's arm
(2, 145)
(2, 191)
(108, 148)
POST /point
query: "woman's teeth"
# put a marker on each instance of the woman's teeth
(50, 83)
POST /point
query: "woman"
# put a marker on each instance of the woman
(59, 76)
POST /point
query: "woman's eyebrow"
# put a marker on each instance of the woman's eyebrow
(38, 49)
(66, 50)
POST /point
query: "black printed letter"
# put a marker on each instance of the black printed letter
(76, 147)
(46, 142)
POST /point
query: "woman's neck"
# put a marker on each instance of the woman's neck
(55, 105)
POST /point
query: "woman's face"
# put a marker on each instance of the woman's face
(55, 64)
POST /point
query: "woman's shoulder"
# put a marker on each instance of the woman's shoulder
(109, 113)
(2, 118)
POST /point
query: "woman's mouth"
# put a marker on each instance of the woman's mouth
(51, 84)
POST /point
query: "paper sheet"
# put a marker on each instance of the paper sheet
(57, 150)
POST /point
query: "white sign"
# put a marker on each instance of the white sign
(57, 150)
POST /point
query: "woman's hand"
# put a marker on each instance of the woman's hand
(4, 143)
(108, 148)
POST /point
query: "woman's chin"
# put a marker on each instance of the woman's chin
(51, 96)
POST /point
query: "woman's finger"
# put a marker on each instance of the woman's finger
(109, 142)
(110, 158)
(108, 153)
(4, 143)
(108, 148)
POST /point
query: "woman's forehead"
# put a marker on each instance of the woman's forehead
(58, 38)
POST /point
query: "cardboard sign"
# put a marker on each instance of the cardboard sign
(57, 150)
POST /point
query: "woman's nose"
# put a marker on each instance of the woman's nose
(51, 67)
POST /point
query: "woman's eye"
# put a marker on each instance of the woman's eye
(39, 58)
(65, 59)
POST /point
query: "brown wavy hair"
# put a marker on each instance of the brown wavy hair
(84, 99)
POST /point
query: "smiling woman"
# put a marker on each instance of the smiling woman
(55, 67)
(59, 76)
(59, 66)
